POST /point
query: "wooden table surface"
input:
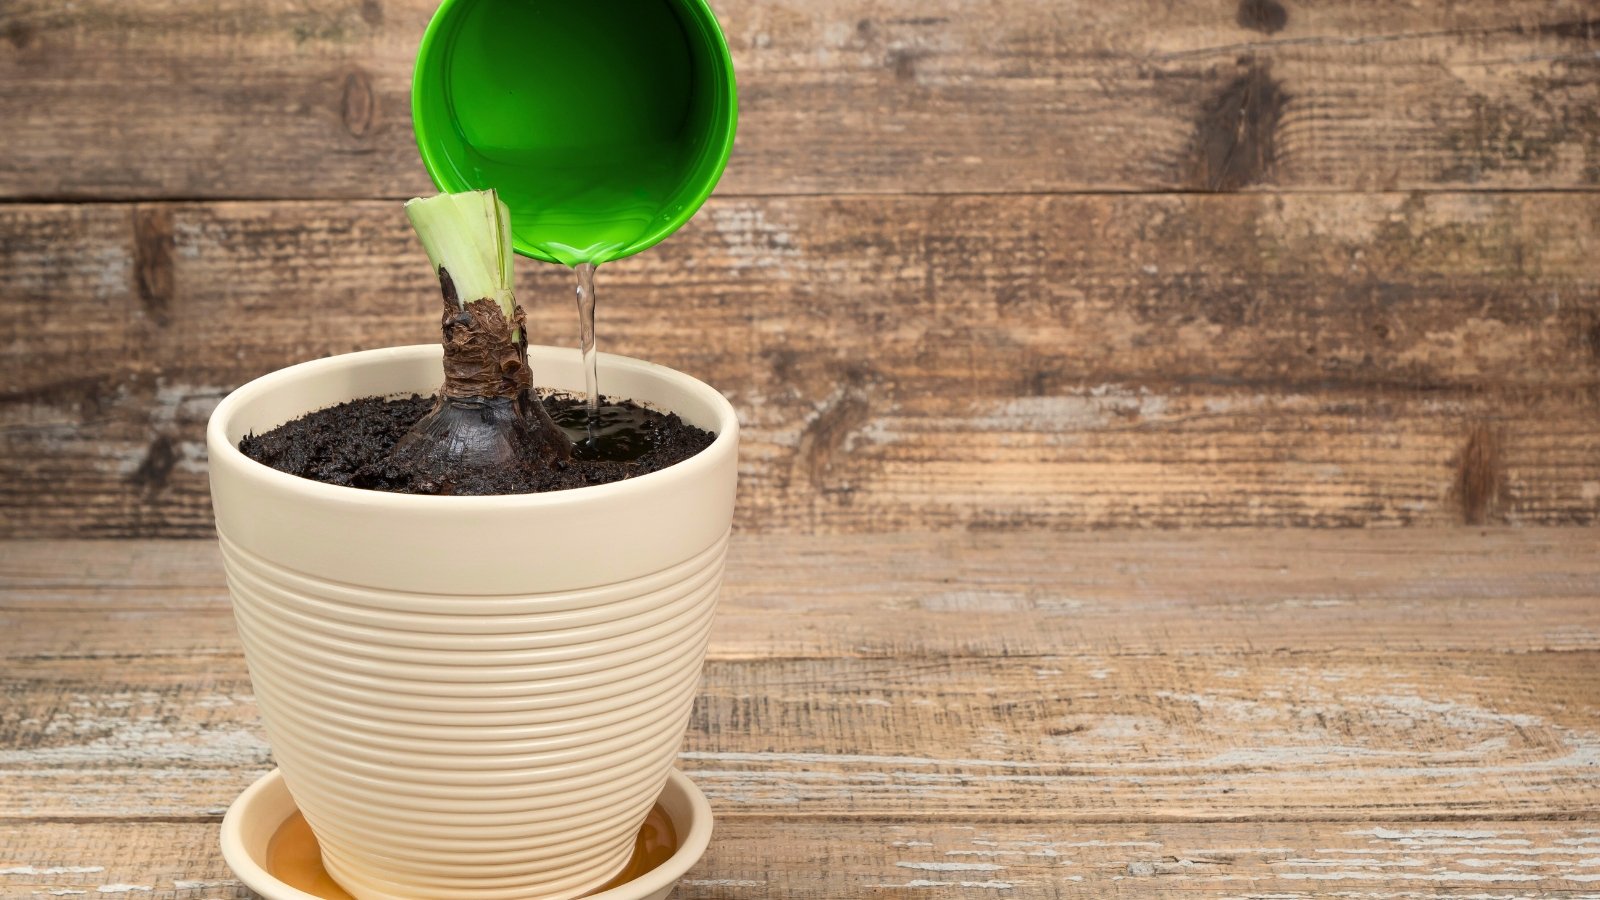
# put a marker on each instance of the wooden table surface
(1262, 714)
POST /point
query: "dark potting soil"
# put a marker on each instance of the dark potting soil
(347, 445)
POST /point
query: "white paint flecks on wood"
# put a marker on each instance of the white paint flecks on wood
(817, 859)
(1261, 714)
(1282, 735)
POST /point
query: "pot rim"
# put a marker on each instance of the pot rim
(223, 451)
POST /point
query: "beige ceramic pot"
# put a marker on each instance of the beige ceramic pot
(472, 698)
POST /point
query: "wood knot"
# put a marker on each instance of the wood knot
(153, 244)
(1480, 475)
(825, 435)
(372, 12)
(156, 468)
(357, 105)
(1591, 339)
(1235, 136)
(1265, 16)
(20, 34)
(904, 63)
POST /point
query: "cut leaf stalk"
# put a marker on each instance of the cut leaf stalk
(468, 235)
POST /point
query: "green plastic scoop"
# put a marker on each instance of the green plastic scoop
(604, 124)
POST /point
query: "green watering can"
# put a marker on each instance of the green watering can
(604, 124)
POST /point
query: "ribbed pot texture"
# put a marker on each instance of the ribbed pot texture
(472, 698)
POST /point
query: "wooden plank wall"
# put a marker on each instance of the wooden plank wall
(991, 265)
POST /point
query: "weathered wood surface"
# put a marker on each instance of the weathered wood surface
(1083, 597)
(248, 99)
(1305, 735)
(808, 860)
(1164, 715)
(955, 362)
(1308, 735)
(1240, 714)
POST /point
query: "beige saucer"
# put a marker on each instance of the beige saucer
(265, 806)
